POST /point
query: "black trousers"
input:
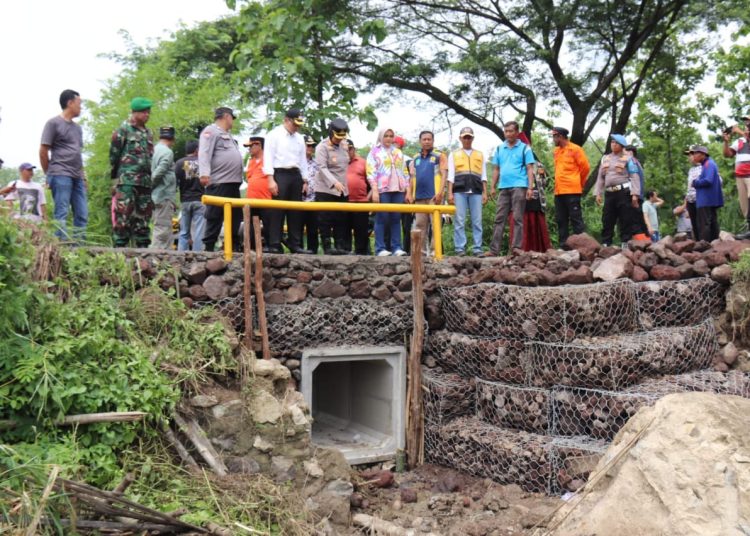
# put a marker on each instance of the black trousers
(693, 213)
(708, 223)
(639, 224)
(332, 224)
(568, 213)
(215, 216)
(618, 210)
(290, 189)
(358, 223)
(310, 224)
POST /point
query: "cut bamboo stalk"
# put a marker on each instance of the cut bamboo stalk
(113, 416)
(415, 429)
(31, 529)
(259, 290)
(180, 448)
(198, 437)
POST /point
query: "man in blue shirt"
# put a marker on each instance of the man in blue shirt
(513, 163)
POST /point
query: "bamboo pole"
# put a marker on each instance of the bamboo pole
(259, 291)
(113, 416)
(31, 529)
(198, 437)
(415, 429)
(247, 294)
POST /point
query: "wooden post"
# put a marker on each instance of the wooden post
(247, 284)
(415, 418)
(259, 290)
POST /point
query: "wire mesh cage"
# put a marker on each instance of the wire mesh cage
(551, 314)
(678, 303)
(489, 358)
(572, 460)
(620, 360)
(445, 396)
(511, 406)
(320, 322)
(505, 456)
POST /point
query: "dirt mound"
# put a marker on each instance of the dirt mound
(681, 467)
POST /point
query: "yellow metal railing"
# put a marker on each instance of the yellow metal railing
(228, 203)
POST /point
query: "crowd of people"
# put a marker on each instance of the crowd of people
(286, 165)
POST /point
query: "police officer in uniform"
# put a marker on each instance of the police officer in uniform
(620, 183)
(332, 158)
(220, 169)
(130, 155)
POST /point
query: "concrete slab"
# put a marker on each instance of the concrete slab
(357, 395)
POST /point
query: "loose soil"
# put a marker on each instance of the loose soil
(452, 503)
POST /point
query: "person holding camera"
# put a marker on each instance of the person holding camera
(740, 151)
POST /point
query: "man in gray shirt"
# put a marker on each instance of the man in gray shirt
(62, 162)
(220, 169)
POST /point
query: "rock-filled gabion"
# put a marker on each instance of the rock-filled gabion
(511, 406)
(446, 396)
(488, 358)
(292, 328)
(678, 303)
(480, 449)
(600, 414)
(551, 314)
(571, 462)
(618, 361)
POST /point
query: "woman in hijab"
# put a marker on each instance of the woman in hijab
(388, 177)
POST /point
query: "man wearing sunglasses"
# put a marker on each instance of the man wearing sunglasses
(332, 157)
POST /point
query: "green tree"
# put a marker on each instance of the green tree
(284, 54)
(187, 77)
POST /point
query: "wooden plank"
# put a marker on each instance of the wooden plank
(415, 417)
(198, 437)
(259, 291)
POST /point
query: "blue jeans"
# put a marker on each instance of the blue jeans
(69, 192)
(392, 220)
(655, 236)
(472, 202)
(192, 225)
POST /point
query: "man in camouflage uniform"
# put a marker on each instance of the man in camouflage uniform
(130, 157)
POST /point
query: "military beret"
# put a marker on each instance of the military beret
(140, 104)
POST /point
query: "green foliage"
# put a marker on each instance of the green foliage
(741, 268)
(281, 52)
(187, 77)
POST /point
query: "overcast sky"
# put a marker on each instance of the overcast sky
(47, 46)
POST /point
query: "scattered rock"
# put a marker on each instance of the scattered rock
(197, 292)
(204, 401)
(578, 276)
(408, 495)
(329, 289)
(614, 268)
(584, 244)
(730, 353)
(262, 444)
(312, 468)
(639, 274)
(264, 408)
(283, 468)
(231, 408)
(216, 265)
(242, 464)
(296, 293)
(195, 273)
(663, 272)
(360, 289)
(722, 274)
(216, 288)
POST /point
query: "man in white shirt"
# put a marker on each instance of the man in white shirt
(28, 193)
(285, 165)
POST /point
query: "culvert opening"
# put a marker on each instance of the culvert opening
(357, 399)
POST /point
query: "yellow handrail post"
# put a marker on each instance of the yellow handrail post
(228, 231)
(437, 234)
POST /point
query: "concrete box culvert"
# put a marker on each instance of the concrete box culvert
(357, 396)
